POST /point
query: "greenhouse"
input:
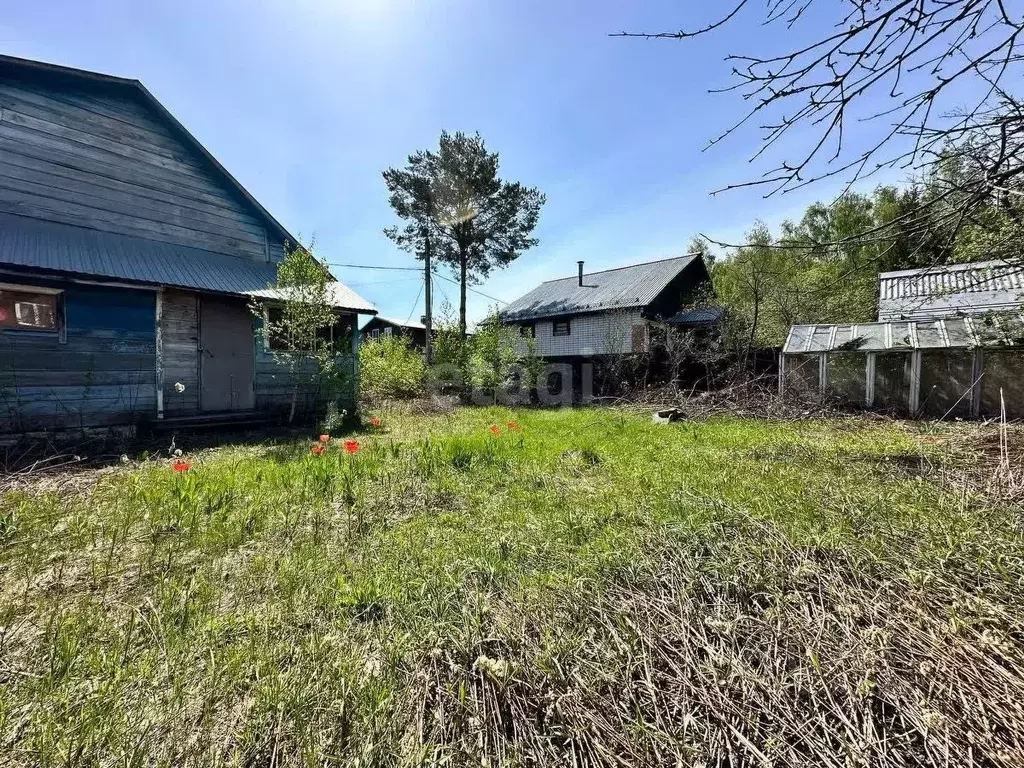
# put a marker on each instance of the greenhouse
(952, 367)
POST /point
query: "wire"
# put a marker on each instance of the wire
(374, 266)
(474, 290)
(383, 282)
(415, 303)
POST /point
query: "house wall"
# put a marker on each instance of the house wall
(103, 160)
(594, 334)
(274, 382)
(179, 342)
(99, 372)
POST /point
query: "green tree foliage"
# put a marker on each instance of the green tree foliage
(453, 201)
(502, 358)
(299, 326)
(391, 367)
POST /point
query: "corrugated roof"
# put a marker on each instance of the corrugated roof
(699, 316)
(621, 288)
(948, 290)
(997, 329)
(47, 245)
(400, 323)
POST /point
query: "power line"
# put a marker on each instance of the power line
(383, 282)
(468, 288)
(415, 303)
(373, 266)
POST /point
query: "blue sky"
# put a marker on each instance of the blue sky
(306, 101)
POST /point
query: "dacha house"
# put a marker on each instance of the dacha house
(129, 257)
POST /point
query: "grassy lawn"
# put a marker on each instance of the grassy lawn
(592, 589)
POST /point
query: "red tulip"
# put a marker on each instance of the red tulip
(325, 439)
(317, 449)
(351, 446)
(514, 427)
(181, 466)
(495, 429)
(374, 422)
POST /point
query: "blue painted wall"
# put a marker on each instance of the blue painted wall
(100, 371)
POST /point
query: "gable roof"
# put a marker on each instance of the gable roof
(68, 250)
(950, 289)
(136, 89)
(628, 287)
(411, 324)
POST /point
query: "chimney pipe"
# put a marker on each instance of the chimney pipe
(581, 272)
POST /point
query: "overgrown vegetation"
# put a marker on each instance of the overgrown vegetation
(300, 330)
(496, 361)
(824, 268)
(389, 366)
(582, 588)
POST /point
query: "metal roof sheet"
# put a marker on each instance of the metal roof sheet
(996, 329)
(948, 290)
(47, 245)
(699, 316)
(400, 323)
(621, 288)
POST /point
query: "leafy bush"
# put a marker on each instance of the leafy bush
(391, 367)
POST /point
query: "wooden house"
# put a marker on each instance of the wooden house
(129, 258)
(379, 326)
(611, 312)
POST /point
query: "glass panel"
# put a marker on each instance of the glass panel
(929, 336)
(901, 338)
(892, 381)
(798, 336)
(958, 334)
(1002, 375)
(946, 377)
(845, 377)
(988, 331)
(820, 342)
(872, 336)
(801, 375)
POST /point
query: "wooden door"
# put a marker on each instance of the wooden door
(226, 367)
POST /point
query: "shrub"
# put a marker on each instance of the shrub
(391, 367)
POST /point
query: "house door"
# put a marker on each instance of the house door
(226, 367)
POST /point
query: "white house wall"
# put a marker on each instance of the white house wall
(593, 334)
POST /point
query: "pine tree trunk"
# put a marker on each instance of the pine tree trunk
(463, 259)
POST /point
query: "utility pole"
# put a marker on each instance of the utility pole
(428, 319)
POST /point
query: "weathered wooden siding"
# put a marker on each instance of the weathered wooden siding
(599, 333)
(274, 387)
(102, 374)
(179, 331)
(106, 162)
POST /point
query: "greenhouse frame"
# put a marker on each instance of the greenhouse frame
(964, 367)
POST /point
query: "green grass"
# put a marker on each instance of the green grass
(593, 588)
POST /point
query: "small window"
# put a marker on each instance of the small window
(24, 309)
(387, 332)
(529, 330)
(560, 328)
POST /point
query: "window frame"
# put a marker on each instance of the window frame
(59, 329)
(554, 328)
(267, 341)
(528, 330)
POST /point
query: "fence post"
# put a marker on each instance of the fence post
(915, 383)
(869, 380)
